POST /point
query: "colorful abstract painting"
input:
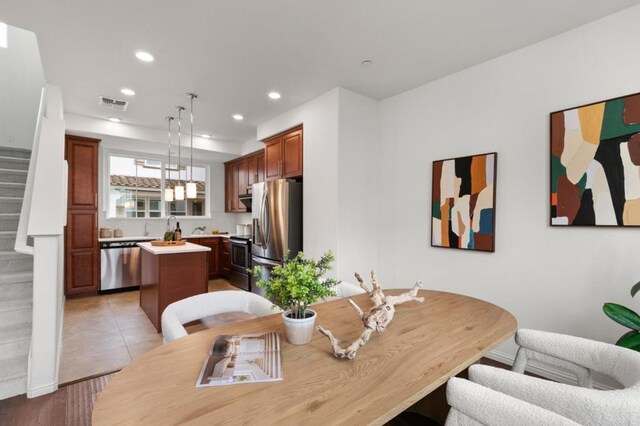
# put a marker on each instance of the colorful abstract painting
(595, 164)
(463, 202)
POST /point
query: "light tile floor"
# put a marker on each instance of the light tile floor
(104, 333)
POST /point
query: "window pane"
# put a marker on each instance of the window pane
(131, 183)
(189, 207)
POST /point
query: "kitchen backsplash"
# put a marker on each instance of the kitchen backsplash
(225, 222)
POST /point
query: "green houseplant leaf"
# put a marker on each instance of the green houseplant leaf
(621, 315)
(298, 282)
(635, 289)
(630, 340)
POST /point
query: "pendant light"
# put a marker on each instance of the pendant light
(168, 191)
(192, 190)
(179, 188)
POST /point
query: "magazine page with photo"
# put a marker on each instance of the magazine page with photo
(247, 358)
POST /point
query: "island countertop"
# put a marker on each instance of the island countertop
(187, 248)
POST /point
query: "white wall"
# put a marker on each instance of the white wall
(21, 81)
(359, 179)
(320, 157)
(550, 279)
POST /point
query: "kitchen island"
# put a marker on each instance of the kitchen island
(170, 274)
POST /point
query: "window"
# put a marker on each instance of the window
(188, 207)
(136, 188)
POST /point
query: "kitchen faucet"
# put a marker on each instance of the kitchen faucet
(146, 228)
(169, 222)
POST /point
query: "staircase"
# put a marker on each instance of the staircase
(16, 277)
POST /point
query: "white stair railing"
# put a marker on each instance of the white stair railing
(41, 233)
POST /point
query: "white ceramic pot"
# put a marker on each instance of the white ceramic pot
(299, 331)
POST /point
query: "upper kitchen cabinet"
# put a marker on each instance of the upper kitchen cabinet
(239, 175)
(283, 155)
(82, 156)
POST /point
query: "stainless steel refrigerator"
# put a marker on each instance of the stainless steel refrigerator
(276, 210)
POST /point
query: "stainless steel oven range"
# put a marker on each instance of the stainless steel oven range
(240, 260)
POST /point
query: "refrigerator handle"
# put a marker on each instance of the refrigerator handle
(256, 232)
(263, 217)
(267, 214)
(262, 261)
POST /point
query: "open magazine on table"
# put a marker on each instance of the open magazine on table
(246, 358)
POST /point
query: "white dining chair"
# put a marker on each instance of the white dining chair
(204, 305)
(578, 404)
(344, 289)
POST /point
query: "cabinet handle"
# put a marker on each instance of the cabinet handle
(280, 167)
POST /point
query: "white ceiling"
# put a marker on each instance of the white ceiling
(233, 52)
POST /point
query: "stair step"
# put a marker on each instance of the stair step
(11, 189)
(14, 176)
(12, 163)
(17, 386)
(6, 151)
(13, 262)
(17, 278)
(9, 221)
(16, 332)
(10, 204)
(13, 368)
(14, 349)
(7, 241)
(14, 304)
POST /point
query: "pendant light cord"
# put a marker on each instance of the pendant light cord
(192, 96)
(169, 118)
(179, 108)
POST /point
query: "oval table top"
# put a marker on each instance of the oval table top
(425, 345)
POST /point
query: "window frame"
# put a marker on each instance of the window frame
(106, 183)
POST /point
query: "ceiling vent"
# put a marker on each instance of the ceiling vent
(110, 103)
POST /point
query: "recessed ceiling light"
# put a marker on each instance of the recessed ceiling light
(275, 95)
(144, 56)
(114, 119)
(366, 63)
(206, 135)
(237, 117)
(126, 91)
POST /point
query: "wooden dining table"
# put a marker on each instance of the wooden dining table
(425, 345)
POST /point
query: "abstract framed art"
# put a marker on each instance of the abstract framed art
(595, 164)
(463, 200)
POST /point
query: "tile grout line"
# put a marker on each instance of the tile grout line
(115, 318)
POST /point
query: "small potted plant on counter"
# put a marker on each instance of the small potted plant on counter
(294, 286)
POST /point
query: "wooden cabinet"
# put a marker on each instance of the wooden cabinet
(255, 168)
(239, 175)
(82, 255)
(213, 256)
(82, 156)
(283, 155)
(225, 258)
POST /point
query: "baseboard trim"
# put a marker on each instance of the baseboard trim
(544, 370)
(42, 390)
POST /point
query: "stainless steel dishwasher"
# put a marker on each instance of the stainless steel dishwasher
(119, 266)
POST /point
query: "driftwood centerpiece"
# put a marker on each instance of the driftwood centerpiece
(378, 317)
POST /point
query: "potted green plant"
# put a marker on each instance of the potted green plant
(627, 317)
(295, 285)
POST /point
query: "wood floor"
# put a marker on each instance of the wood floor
(68, 406)
(102, 334)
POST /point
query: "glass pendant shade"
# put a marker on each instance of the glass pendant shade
(192, 191)
(179, 190)
(168, 194)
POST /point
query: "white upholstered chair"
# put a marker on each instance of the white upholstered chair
(581, 405)
(204, 305)
(344, 289)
